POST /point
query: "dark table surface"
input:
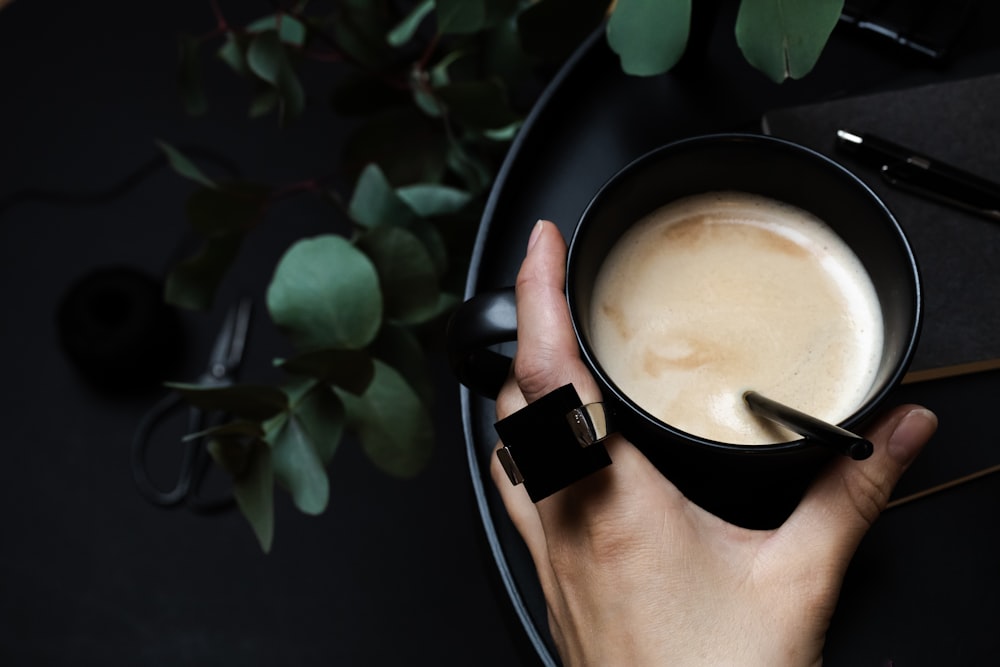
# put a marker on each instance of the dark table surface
(395, 572)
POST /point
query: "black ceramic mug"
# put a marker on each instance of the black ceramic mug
(750, 485)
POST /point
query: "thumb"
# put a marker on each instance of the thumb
(850, 495)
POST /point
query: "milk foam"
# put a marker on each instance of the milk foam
(719, 293)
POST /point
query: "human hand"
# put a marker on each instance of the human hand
(635, 574)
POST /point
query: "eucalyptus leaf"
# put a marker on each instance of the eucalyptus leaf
(398, 347)
(553, 29)
(255, 402)
(406, 28)
(374, 202)
(503, 134)
(232, 454)
(233, 52)
(406, 272)
(268, 59)
(184, 166)
(427, 101)
(192, 283)
(649, 37)
(438, 74)
(264, 103)
(428, 200)
(392, 423)
(784, 39)
(254, 490)
(189, 79)
(237, 427)
(290, 29)
(321, 414)
(296, 389)
(506, 56)
(475, 174)
(434, 242)
(325, 293)
(460, 16)
(351, 370)
(298, 467)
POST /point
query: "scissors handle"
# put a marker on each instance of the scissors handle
(189, 466)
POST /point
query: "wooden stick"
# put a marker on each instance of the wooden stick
(938, 374)
(942, 487)
(951, 371)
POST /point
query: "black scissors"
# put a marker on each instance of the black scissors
(224, 362)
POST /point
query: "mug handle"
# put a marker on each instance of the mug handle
(486, 319)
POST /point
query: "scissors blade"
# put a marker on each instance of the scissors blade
(227, 351)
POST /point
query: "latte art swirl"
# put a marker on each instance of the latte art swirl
(722, 292)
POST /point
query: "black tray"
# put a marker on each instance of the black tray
(925, 585)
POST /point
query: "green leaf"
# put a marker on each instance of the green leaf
(189, 79)
(406, 28)
(553, 29)
(426, 100)
(505, 55)
(503, 134)
(392, 423)
(460, 16)
(183, 166)
(438, 74)
(374, 202)
(475, 174)
(193, 282)
(351, 370)
(649, 37)
(298, 467)
(321, 414)
(433, 241)
(253, 487)
(268, 59)
(325, 293)
(264, 103)
(398, 347)
(785, 39)
(238, 427)
(479, 104)
(234, 208)
(233, 52)
(430, 199)
(406, 273)
(255, 402)
(290, 29)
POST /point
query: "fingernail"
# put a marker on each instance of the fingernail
(915, 428)
(535, 233)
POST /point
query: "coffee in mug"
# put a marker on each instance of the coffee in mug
(826, 341)
(718, 293)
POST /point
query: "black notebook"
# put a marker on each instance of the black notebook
(958, 253)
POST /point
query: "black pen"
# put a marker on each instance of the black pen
(924, 176)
